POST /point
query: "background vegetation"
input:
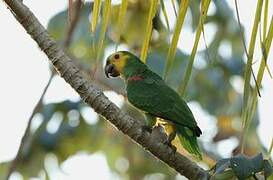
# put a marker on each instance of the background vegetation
(204, 77)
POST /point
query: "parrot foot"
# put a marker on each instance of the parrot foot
(169, 143)
(147, 128)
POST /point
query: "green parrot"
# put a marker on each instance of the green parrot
(148, 92)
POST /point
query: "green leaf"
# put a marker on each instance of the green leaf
(165, 14)
(267, 45)
(222, 165)
(268, 169)
(248, 115)
(104, 24)
(245, 167)
(179, 23)
(121, 17)
(265, 18)
(226, 175)
(242, 166)
(95, 15)
(174, 8)
(251, 51)
(183, 85)
(149, 29)
(248, 69)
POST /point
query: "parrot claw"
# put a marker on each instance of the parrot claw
(147, 128)
(169, 143)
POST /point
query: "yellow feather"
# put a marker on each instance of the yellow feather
(119, 63)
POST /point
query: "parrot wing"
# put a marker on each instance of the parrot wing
(152, 95)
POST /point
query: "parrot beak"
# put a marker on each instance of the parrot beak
(110, 70)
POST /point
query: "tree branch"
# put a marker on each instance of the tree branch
(97, 100)
(66, 44)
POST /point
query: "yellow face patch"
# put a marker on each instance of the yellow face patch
(119, 60)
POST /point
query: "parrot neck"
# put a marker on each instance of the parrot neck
(134, 69)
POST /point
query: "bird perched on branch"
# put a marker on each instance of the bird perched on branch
(148, 92)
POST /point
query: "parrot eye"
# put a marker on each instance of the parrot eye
(116, 56)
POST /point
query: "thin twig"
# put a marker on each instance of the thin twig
(70, 10)
(244, 44)
(27, 131)
(205, 41)
(74, 19)
(243, 134)
(174, 8)
(67, 42)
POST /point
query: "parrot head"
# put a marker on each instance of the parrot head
(121, 63)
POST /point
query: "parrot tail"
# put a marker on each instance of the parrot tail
(188, 140)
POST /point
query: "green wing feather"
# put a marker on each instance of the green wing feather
(188, 141)
(153, 96)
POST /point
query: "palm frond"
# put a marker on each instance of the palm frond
(95, 15)
(121, 16)
(183, 85)
(248, 69)
(179, 23)
(163, 7)
(265, 18)
(264, 32)
(251, 109)
(104, 23)
(174, 8)
(250, 53)
(149, 28)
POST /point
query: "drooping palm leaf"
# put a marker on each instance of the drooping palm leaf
(163, 7)
(179, 23)
(104, 23)
(250, 52)
(149, 29)
(251, 108)
(95, 15)
(174, 8)
(121, 16)
(183, 85)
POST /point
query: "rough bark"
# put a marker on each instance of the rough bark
(97, 100)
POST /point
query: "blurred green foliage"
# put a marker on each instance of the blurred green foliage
(210, 86)
(243, 167)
